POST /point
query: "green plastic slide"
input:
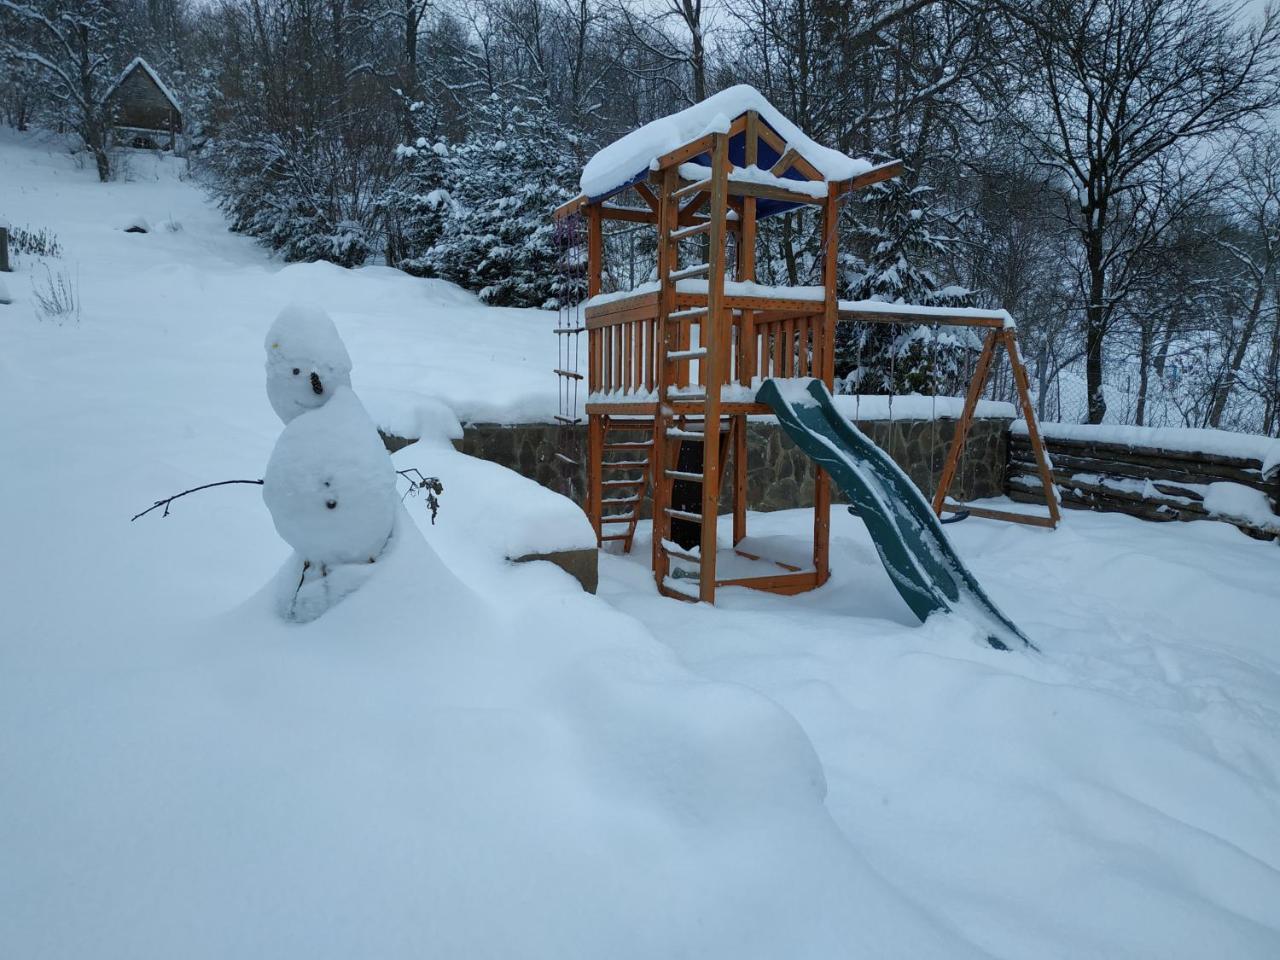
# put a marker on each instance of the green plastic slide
(919, 558)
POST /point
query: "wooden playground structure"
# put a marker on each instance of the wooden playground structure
(671, 366)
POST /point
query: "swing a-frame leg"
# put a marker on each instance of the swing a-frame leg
(1008, 339)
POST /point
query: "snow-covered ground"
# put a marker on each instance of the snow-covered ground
(473, 758)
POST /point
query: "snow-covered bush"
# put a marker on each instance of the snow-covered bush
(297, 195)
(34, 242)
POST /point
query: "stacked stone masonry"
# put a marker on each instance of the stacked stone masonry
(779, 475)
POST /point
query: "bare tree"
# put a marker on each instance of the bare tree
(73, 43)
(1121, 87)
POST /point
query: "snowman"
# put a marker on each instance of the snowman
(306, 360)
(329, 484)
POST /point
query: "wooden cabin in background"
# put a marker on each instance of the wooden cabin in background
(147, 114)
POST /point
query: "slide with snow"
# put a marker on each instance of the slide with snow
(919, 558)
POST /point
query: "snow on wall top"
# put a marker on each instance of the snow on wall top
(155, 78)
(1220, 443)
(624, 160)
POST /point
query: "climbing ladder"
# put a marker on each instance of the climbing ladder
(686, 478)
(627, 443)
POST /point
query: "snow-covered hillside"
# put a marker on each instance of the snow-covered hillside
(469, 758)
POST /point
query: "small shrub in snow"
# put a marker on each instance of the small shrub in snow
(136, 224)
(56, 296)
(34, 243)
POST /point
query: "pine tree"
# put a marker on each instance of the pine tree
(903, 235)
(418, 204)
(507, 176)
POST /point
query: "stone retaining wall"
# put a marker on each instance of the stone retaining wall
(779, 475)
(1144, 481)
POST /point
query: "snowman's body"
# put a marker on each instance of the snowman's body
(330, 485)
(331, 490)
(306, 361)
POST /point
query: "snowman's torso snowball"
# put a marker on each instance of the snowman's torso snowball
(330, 486)
(306, 361)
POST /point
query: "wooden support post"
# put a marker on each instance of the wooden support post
(595, 469)
(746, 346)
(739, 431)
(4, 249)
(595, 250)
(1020, 379)
(667, 338)
(979, 381)
(823, 367)
(714, 365)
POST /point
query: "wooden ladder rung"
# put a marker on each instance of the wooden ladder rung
(570, 374)
(618, 501)
(619, 518)
(622, 483)
(682, 555)
(676, 433)
(683, 475)
(696, 270)
(626, 465)
(690, 312)
(617, 536)
(693, 231)
(630, 444)
(682, 514)
(693, 354)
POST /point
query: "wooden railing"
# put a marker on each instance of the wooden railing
(784, 348)
(622, 351)
(622, 354)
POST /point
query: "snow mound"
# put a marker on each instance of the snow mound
(135, 223)
(306, 360)
(1238, 502)
(625, 159)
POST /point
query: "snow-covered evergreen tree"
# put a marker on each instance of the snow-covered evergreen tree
(417, 203)
(904, 241)
(504, 180)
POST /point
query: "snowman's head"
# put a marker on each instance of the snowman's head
(306, 360)
(330, 485)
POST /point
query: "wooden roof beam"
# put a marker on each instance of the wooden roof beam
(569, 207)
(877, 174)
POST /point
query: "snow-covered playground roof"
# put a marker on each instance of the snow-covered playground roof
(139, 63)
(628, 160)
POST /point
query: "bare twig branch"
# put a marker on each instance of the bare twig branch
(168, 500)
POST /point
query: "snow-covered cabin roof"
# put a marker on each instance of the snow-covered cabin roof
(139, 63)
(627, 161)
